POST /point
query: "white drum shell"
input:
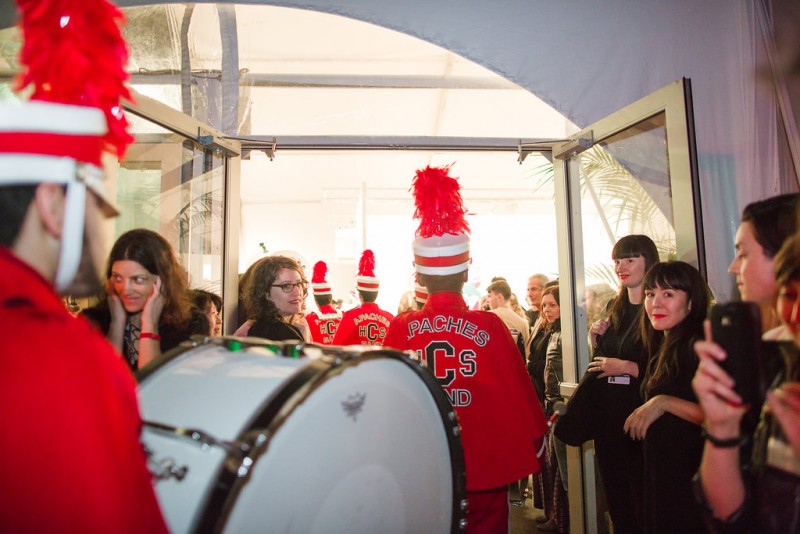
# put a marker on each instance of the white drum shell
(363, 448)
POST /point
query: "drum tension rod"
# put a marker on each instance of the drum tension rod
(203, 438)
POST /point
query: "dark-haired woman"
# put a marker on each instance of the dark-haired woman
(554, 469)
(211, 305)
(765, 226)
(676, 301)
(275, 293)
(762, 493)
(618, 351)
(145, 310)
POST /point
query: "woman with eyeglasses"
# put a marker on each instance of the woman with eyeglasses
(145, 310)
(275, 294)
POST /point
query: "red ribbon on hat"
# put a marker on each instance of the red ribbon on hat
(84, 148)
(441, 261)
(365, 285)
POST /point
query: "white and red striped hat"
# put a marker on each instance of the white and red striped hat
(366, 279)
(74, 57)
(442, 243)
(48, 142)
(318, 283)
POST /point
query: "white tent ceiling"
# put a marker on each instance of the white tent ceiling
(324, 78)
(583, 58)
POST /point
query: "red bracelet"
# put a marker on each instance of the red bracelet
(149, 335)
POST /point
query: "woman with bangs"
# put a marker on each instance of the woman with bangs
(676, 302)
(145, 310)
(617, 352)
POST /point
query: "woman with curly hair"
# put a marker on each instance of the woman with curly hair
(145, 310)
(275, 293)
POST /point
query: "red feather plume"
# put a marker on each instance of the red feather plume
(366, 265)
(440, 208)
(319, 273)
(75, 54)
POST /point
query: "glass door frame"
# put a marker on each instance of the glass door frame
(675, 101)
(230, 150)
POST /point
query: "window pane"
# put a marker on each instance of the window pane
(625, 188)
(176, 188)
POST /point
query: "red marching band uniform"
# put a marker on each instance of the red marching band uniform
(367, 324)
(472, 355)
(70, 455)
(322, 325)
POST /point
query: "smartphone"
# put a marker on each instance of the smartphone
(736, 327)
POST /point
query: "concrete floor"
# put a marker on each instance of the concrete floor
(522, 518)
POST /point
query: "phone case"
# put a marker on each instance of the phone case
(736, 327)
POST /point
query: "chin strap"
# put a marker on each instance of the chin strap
(71, 235)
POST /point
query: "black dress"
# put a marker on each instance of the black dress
(620, 458)
(673, 448)
(275, 330)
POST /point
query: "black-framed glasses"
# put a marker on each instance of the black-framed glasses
(288, 287)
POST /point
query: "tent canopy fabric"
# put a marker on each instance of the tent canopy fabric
(587, 59)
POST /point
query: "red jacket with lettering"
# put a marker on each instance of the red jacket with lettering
(365, 325)
(70, 455)
(323, 325)
(477, 363)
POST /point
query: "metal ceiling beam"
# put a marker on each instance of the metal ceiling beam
(388, 142)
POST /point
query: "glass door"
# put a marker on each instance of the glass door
(180, 178)
(633, 172)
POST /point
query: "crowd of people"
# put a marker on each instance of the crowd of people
(655, 399)
(678, 448)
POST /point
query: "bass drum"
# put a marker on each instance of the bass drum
(248, 436)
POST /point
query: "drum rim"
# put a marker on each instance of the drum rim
(220, 502)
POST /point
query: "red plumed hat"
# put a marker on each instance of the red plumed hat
(74, 58)
(75, 54)
(442, 243)
(366, 279)
(318, 283)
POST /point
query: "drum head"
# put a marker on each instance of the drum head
(366, 451)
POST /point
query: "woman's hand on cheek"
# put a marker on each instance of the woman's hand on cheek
(153, 307)
(115, 306)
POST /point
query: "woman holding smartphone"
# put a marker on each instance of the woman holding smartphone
(764, 494)
(765, 226)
